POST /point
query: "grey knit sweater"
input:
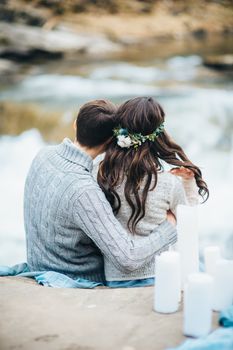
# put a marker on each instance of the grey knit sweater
(70, 225)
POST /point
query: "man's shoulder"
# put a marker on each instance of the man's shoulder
(43, 154)
(46, 151)
(75, 179)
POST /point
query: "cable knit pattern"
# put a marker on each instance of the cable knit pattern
(69, 224)
(169, 192)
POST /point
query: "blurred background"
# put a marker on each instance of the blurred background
(55, 55)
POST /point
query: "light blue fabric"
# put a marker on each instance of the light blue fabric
(220, 339)
(132, 283)
(47, 278)
(59, 280)
(226, 318)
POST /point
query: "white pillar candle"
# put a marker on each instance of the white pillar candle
(211, 256)
(198, 305)
(223, 285)
(187, 243)
(167, 282)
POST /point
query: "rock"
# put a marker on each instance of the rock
(220, 62)
(26, 55)
(8, 71)
(20, 16)
(199, 33)
(6, 67)
(35, 317)
(28, 43)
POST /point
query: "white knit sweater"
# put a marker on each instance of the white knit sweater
(169, 192)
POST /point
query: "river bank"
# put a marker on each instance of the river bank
(125, 21)
(38, 31)
(68, 34)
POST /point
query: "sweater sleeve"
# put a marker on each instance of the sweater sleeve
(191, 191)
(183, 192)
(93, 214)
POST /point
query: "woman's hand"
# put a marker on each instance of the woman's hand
(185, 173)
(171, 217)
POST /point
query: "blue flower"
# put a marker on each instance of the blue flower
(123, 132)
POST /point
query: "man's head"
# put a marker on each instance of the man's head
(95, 122)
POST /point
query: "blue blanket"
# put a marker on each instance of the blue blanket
(226, 318)
(220, 339)
(47, 278)
(59, 280)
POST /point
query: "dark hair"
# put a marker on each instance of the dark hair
(141, 115)
(95, 122)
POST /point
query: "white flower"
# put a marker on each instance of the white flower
(124, 141)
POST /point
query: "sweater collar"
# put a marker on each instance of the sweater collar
(68, 150)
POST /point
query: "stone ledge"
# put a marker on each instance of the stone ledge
(35, 317)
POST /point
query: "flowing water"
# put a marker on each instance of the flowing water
(199, 115)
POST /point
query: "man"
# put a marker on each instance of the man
(69, 223)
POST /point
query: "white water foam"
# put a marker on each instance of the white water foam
(177, 68)
(63, 88)
(16, 154)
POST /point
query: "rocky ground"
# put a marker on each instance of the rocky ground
(52, 29)
(35, 317)
(37, 31)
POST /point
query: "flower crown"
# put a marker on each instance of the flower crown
(127, 140)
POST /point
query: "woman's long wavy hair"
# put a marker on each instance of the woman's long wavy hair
(141, 115)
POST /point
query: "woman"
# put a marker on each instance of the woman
(135, 183)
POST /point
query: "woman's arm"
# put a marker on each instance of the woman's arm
(191, 191)
(189, 185)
